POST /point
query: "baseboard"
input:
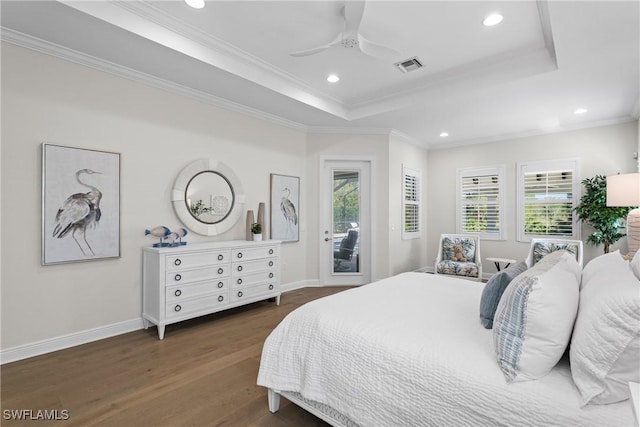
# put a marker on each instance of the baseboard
(71, 340)
(78, 338)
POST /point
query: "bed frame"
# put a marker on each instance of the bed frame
(321, 411)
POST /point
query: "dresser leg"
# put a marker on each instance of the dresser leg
(278, 300)
(160, 332)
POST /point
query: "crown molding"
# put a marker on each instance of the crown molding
(52, 49)
(153, 24)
(530, 133)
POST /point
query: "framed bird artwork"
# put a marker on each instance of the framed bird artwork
(80, 204)
(285, 208)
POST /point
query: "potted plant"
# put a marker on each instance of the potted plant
(256, 229)
(606, 220)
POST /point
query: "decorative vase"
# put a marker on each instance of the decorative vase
(261, 219)
(249, 222)
(257, 237)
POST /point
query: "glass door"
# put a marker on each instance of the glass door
(345, 251)
(346, 221)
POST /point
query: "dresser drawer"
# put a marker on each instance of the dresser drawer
(245, 254)
(183, 308)
(181, 292)
(180, 261)
(254, 291)
(196, 274)
(244, 267)
(245, 280)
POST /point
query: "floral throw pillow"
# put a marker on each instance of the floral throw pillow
(449, 246)
(540, 249)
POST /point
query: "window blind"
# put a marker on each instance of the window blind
(411, 203)
(480, 203)
(548, 203)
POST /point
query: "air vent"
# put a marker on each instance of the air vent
(409, 64)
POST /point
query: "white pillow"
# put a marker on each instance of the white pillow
(607, 262)
(635, 264)
(605, 346)
(535, 316)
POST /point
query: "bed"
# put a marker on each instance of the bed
(410, 350)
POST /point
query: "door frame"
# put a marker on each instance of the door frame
(326, 275)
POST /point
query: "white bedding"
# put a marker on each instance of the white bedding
(409, 351)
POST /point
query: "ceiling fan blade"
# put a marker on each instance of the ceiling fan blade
(376, 50)
(318, 49)
(353, 11)
(310, 51)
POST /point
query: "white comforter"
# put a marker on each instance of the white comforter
(410, 351)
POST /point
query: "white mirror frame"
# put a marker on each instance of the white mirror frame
(180, 190)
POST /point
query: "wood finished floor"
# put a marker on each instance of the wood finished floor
(202, 374)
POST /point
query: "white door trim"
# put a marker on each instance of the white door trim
(371, 208)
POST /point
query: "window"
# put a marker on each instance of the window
(480, 202)
(411, 208)
(547, 194)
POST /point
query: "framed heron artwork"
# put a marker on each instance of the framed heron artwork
(80, 204)
(285, 203)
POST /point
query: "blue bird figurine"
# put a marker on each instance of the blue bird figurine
(181, 233)
(160, 232)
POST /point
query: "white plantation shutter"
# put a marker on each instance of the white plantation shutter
(480, 202)
(411, 207)
(548, 193)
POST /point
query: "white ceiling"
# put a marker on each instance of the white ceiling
(524, 76)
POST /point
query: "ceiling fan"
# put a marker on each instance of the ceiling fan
(352, 12)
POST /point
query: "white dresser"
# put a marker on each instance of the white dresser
(193, 280)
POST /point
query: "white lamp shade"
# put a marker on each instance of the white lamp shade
(623, 190)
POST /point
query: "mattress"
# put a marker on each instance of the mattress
(410, 350)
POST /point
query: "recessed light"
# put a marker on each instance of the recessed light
(196, 4)
(491, 20)
(332, 78)
(580, 111)
(444, 134)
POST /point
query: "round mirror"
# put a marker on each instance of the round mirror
(208, 197)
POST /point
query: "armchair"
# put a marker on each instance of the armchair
(459, 255)
(541, 247)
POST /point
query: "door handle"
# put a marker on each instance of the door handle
(326, 239)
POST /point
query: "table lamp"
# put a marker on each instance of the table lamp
(624, 190)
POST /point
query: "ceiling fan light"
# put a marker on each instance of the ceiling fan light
(491, 20)
(196, 4)
(333, 78)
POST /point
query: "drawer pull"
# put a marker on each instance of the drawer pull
(178, 277)
(220, 298)
(270, 287)
(177, 261)
(270, 251)
(220, 285)
(239, 254)
(177, 307)
(239, 294)
(220, 271)
(239, 268)
(178, 292)
(220, 257)
(239, 281)
(270, 275)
